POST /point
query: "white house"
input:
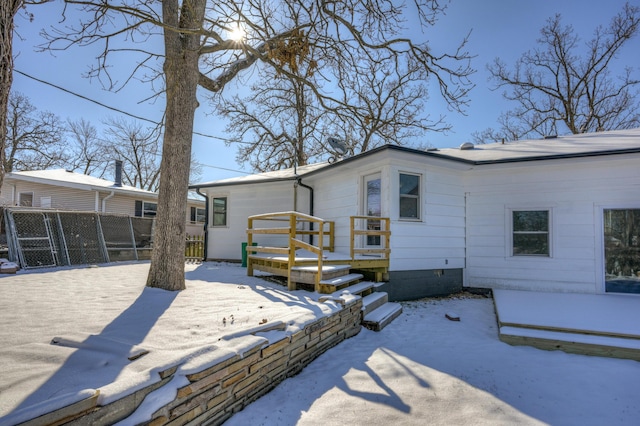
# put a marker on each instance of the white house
(65, 190)
(556, 214)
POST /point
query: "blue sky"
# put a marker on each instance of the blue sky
(500, 28)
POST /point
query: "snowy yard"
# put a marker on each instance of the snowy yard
(421, 369)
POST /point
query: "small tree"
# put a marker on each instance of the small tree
(87, 152)
(34, 139)
(560, 87)
(138, 148)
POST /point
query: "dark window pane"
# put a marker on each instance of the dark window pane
(409, 208)
(530, 244)
(537, 220)
(409, 184)
(220, 211)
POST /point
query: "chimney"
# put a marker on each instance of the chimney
(118, 178)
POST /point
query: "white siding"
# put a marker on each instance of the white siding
(244, 201)
(575, 191)
(436, 241)
(61, 198)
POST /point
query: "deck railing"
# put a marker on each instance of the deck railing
(375, 235)
(370, 236)
(298, 226)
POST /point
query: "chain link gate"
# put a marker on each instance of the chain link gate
(45, 238)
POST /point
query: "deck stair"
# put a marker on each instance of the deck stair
(377, 311)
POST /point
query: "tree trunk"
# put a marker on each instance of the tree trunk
(181, 77)
(8, 10)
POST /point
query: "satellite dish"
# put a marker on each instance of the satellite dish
(338, 146)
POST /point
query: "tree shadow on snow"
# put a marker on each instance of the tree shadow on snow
(97, 360)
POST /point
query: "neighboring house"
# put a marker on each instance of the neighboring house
(556, 214)
(65, 190)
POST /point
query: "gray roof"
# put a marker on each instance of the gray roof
(570, 146)
(581, 145)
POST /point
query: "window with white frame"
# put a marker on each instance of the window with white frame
(530, 233)
(25, 199)
(145, 209)
(219, 211)
(409, 196)
(197, 215)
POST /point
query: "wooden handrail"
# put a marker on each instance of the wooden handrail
(384, 233)
(293, 218)
(317, 229)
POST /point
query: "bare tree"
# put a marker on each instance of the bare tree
(278, 123)
(87, 152)
(9, 9)
(138, 148)
(322, 37)
(386, 105)
(561, 87)
(34, 139)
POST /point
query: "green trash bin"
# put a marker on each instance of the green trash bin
(244, 253)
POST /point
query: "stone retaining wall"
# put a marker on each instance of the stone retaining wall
(214, 394)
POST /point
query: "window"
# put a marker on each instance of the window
(409, 196)
(220, 211)
(373, 206)
(622, 250)
(531, 233)
(197, 215)
(25, 199)
(146, 209)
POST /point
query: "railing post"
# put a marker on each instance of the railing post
(292, 252)
(249, 244)
(320, 255)
(353, 237)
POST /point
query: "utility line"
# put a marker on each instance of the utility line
(133, 116)
(119, 110)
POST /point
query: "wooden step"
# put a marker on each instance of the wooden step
(334, 284)
(381, 317)
(373, 301)
(307, 274)
(580, 343)
(362, 288)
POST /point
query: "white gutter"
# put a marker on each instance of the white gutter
(104, 201)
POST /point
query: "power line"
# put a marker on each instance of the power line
(133, 116)
(227, 140)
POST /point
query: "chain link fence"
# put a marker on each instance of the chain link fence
(44, 238)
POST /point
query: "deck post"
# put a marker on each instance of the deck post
(292, 251)
(249, 244)
(320, 255)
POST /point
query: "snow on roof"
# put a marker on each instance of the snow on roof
(283, 174)
(585, 144)
(62, 177)
(581, 145)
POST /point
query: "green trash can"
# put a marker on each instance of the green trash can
(244, 253)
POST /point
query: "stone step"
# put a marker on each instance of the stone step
(382, 316)
(373, 301)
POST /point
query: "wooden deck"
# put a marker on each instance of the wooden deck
(314, 261)
(590, 324)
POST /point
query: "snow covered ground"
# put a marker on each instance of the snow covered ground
(421, 369)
